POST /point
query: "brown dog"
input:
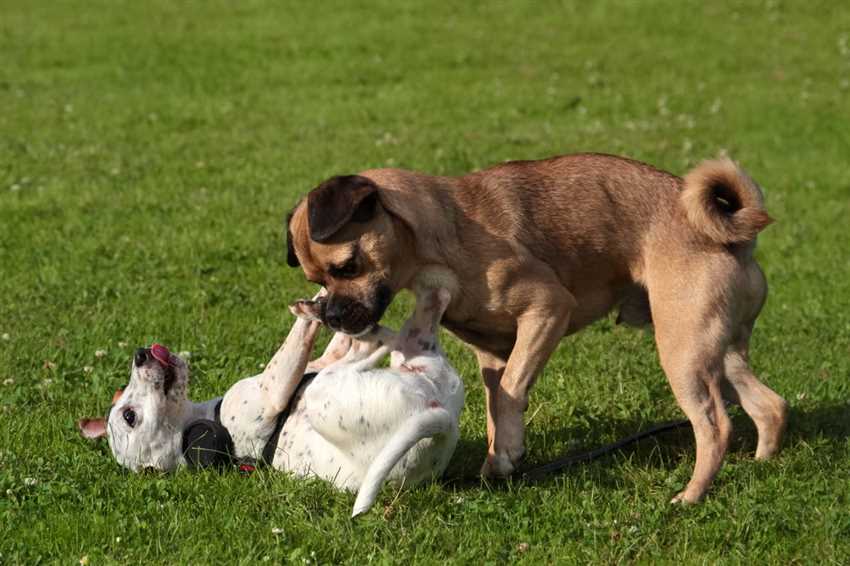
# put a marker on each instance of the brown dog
(534, 250)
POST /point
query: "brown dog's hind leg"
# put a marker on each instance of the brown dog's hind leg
(696, 376)
(768, 410)
(692, 333)
(702, 402)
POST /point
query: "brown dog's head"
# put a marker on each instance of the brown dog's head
(345, 239)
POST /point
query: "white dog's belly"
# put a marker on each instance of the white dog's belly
(341, 421)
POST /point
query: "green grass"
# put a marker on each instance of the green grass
(148, 154)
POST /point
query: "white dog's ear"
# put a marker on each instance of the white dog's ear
(308, 310)
(92, 428)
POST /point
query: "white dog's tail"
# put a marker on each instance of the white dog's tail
(423, 425)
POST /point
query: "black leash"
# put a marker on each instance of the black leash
(560, 465)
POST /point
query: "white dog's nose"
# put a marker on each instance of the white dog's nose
(140, 357)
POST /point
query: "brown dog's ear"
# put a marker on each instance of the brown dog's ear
(337, 201)
(92, 428)
(291, 258)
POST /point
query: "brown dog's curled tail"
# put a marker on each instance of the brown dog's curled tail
(723, 203)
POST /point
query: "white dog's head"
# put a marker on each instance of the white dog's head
(145, 423)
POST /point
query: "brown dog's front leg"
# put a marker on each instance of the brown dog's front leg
(538, 334)
(492, 369)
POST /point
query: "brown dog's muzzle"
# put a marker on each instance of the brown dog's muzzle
(344, 314)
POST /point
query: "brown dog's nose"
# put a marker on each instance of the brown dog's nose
(333, 317)
(140, 357)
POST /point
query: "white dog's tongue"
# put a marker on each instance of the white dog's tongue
(161, 354)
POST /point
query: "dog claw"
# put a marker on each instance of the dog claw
(500, 465)
(682, 498)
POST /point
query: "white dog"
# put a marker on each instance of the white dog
(351, 424)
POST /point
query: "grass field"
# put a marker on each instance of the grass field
(149, 152)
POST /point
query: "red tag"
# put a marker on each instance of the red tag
(246, 468)
(161, 354)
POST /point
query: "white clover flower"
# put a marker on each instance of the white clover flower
(88, 369)
(99, 353)
(716, 106)
(8, 381)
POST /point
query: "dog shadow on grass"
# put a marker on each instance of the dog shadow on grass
(824, 420)
(591, 444)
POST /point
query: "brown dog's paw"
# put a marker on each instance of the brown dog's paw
(685, 498)
(502, 465)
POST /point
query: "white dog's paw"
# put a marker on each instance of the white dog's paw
(308, 310)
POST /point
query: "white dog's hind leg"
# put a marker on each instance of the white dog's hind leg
(428, 423)
(367, 351)
(362, 347)
(337, 348)
(419, 335)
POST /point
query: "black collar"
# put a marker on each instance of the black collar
(208, 442)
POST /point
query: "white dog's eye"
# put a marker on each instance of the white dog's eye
(130, 417)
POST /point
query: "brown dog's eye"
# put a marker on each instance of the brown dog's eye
(344, 271)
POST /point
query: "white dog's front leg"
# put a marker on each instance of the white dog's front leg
(286, 369)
